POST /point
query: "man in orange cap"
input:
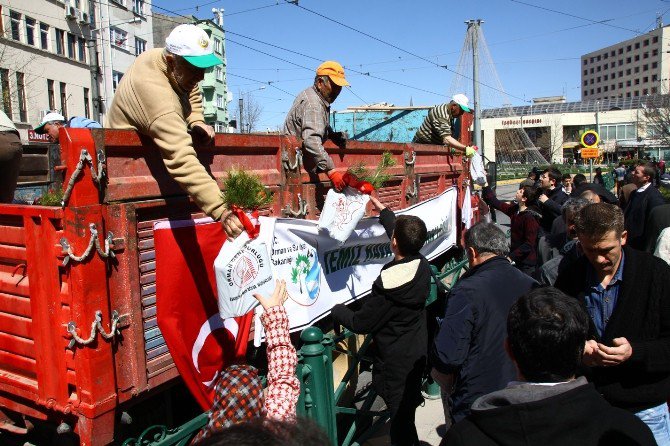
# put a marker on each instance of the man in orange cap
(308, 119)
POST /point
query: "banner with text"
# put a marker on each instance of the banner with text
(321, 273)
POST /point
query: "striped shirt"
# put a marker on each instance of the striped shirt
(308, 119)
(438, 124)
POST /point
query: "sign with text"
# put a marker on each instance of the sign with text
(34, 137)
(590, 153)
(590, 139)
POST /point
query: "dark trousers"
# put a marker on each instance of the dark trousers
(11, 152)
(403, 412)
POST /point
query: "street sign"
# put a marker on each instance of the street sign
(590, 139)
(590, 152)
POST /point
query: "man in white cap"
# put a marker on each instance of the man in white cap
(159, 97)
(438, 126)
(53, 121)
(309, 117)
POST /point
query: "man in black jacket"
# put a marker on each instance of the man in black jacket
(640, 204)
(468, 353)
(627, 295)
(546, 334)
(553, 197)
(395, 313)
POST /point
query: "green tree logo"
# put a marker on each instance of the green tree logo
(300, 270)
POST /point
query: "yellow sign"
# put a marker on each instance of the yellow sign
(590, 153)
(590, 139)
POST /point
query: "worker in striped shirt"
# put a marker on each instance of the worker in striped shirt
(438, 126)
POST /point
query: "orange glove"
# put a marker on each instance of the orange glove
(337, 179)
(363, 187)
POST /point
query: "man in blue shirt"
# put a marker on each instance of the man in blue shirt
(627, 295)
(53, 121)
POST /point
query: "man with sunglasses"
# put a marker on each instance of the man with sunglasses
(309, 117)
(159, 97)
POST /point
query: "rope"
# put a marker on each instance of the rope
(96, 326)
(302, 210)
(93, 241)
(85, 157)
(286, 162)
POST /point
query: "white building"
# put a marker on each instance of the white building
(124, 31)
(44, 60)
(556, 128)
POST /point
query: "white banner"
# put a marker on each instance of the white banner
(321, 273)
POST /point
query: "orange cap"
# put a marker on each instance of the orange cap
(334, 71)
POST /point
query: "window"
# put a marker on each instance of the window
(591, 81)
(605, 88)
(628, 83)
(620, 62)
(63, 99)
(646, 42)
(217, 46)
(637, 47)
(140, 46)
(82, 49)
(116, 78)
(71, 40)
(598, 58)
(645, 55)
(593, 59)
(120, 2)
(653, 90)
(598, 80)
(654, 52)
(30, 31)
(645, 79)
(620, 85)
(636, 69)
(585, 62)
(628, 72)
(118, 37)
(654, 78)
(612, 65)
(586, 93)
(586, 83)
(605, 77)
(592, 92)
(51, 94)
(637, 57)
(645, 91)
(628, 60)
(599, 90)
(60, 42)
(219, 73)
(637, 81)
(138, 7)
(628, 48)
(44, 36)
(586, 72)
(620, 73)
(605, 56)
(654, 40)
(15, 19)
(21, 90)
(620, 51)
(6, 93)
(87, 107)
(219, 101)
(612, 53)
(219, 127)
(654, 65)
(598, 68)
(628, 94)
(591, 70)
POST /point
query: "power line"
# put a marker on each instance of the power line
(577, 17)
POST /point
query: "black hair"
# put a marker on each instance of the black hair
(649, 170)
(578, 180)
(267, 432)
(566, 176)
(530, 193)
(554, 174)
(546, 332)
(410, 234)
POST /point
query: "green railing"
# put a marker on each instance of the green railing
(319, 399)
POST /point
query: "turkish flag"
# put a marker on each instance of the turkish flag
(200, 342)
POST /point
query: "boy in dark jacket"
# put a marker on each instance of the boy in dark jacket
(524, 224)
(395, 313)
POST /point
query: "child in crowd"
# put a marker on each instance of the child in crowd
(395, 314)
(525, 225)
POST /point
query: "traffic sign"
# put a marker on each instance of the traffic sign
(590, 139)
(590, 153)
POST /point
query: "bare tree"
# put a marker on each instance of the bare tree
(655, 122)
(251, 113)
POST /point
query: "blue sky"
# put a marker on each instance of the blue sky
(535, 46)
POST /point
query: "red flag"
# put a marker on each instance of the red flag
(200, 342)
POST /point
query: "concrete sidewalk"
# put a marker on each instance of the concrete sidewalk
(429, 424)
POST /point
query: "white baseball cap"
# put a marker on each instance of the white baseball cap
(193, 44)
(49, 117)
(461, 100)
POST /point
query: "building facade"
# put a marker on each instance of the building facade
(123, 31)
(44, 60)
(628, 69)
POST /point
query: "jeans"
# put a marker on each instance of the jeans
(658, 421)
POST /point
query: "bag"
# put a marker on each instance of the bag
(477, 171)
(242, 268)
(341, 212)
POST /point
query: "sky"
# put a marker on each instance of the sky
(534, 46)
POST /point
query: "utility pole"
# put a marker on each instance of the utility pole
(241, 107)
(473, 29)
(95, 74)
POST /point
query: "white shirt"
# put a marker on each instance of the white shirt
(643, 188)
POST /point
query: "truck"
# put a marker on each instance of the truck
(82, 359)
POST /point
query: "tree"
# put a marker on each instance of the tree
(251, 113)
(655, 122)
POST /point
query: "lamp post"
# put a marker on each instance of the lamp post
(241, 108)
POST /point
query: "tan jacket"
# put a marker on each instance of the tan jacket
(146, 101)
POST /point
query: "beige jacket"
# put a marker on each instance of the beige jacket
(148, 102)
